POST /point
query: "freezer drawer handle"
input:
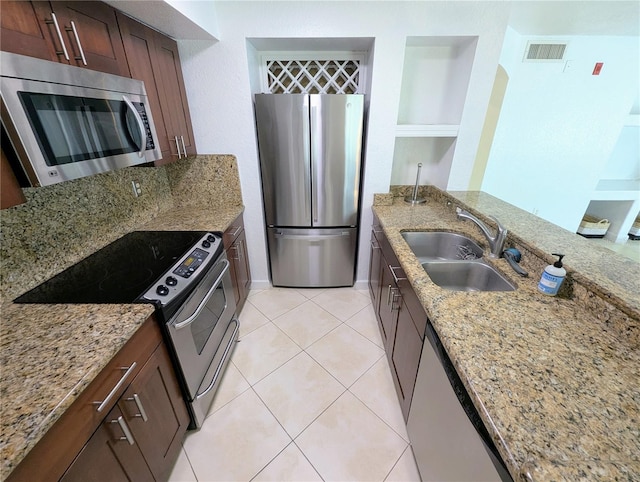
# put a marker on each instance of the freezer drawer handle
(319, 237)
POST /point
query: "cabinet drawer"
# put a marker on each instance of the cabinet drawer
(49, 459)
(232, 232)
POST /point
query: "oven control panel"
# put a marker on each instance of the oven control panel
(192, 263)
(183, 273)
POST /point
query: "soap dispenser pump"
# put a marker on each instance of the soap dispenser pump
(552, 277)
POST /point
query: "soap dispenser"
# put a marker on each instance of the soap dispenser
(552, 277)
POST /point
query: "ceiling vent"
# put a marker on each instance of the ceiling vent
(544, 52)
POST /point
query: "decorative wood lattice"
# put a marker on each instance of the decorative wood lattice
(313, 76)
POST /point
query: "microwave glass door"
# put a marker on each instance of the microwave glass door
(71, 129)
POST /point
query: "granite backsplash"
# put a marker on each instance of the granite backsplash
(61, 224)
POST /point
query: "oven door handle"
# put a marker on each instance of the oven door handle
(140, 122)
(200, 307)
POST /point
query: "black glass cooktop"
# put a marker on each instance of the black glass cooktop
(118, 273)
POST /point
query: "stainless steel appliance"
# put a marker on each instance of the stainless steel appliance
(310, 158)
(186, 276)
(67, 122)
(448, 438)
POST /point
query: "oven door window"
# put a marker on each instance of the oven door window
(72, 129)
(203, 325)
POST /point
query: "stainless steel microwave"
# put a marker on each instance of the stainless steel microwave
(66, 122)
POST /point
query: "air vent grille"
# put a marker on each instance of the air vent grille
(545, 51)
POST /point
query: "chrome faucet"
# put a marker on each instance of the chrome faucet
(496, 243)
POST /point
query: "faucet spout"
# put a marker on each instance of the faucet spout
(496, 243)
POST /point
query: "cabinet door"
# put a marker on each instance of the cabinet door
(243, 271)
(405, 358)
(375, 272)
(155, 411)
(140, 48)
(387, 311)
(91, 32)
(110, 454)
(25, 31)
(173, 96)
(235, 244)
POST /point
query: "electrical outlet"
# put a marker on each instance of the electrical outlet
(137, 190)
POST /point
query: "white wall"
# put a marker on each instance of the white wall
(217, 78)
(557, 129)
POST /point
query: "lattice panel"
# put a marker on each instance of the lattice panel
(313, 76)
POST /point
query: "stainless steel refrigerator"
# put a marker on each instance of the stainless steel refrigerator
(310, 159)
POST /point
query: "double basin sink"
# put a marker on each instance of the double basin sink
(454, 262)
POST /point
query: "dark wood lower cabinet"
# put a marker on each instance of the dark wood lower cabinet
(140, 436)
(400, 315)
(155, 412)
(235, 243)
(109, 456)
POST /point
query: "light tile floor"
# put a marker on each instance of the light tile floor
(307, 396)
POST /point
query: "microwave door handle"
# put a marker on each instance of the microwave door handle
(204, 301)
(143, 130)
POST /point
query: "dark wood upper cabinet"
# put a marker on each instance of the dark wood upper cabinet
(153, 58)
(25, 31)
(175, 95)
(84, 34)
(140, 49)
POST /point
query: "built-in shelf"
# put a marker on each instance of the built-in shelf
(435, 80)
(617, 190)
(424, 130)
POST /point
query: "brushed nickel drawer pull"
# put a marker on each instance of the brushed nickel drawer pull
(235, 231)
(114, 390)
(177, 146)
(138, 402)
(395, 278)
(184, 149)
(127, 433)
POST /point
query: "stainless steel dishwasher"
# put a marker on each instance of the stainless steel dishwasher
(448, 438)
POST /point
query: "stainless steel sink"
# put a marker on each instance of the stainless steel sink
(467, 276)
(441, 245)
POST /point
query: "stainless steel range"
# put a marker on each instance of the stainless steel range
(186, 276)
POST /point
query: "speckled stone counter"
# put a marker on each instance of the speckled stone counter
(50, 353)
(554, 379)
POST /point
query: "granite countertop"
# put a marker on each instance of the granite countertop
(50, 353)
(554, 379)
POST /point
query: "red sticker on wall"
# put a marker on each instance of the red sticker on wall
(597, 68)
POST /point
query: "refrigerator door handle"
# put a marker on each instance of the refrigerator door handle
(316, 134)
(315, 237)
(308, 159)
